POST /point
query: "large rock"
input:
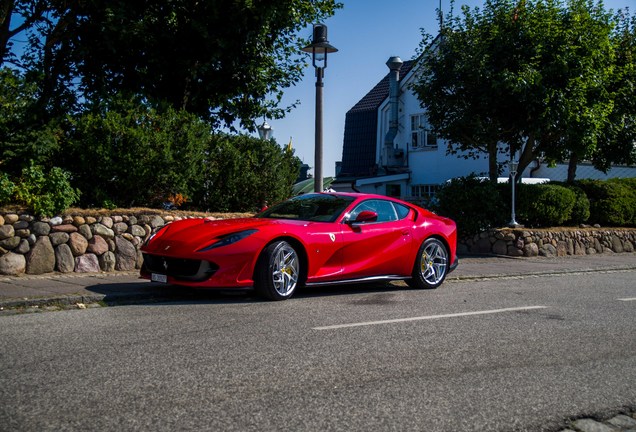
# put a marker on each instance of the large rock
(500, 247)
(617, 244)
(126, 254)
(12, 264)
(41, 258)
(78, 244)
(97, 245)
(66, 228)
(10, 243)
(137, 231)
(87, 263)
(64, 260)
(531, 250)
(157, 221)
(107, 261)
(23, 248)
(11, 218)
(107, 221)
(40, 228)
(6, 231)
(21, 224)
(548, 250)
(58, 238)
(85, 230)
(120, 227)
(102, 230)
(561, 248)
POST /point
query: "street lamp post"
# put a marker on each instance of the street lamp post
(265, 131)
(319, 48)
(512, 168)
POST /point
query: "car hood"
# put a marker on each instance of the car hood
(189, 235)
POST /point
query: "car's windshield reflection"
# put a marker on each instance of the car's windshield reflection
(310, 207)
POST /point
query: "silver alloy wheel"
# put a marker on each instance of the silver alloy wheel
(285, 270)
(434, 262)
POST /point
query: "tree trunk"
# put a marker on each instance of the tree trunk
(493, 168)
(574, 160)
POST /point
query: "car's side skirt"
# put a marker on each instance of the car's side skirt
(360, 280)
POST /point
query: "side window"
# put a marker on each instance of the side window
(402, 211)
(385, 209)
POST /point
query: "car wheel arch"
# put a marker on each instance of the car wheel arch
(300, 249)
(437, 236)
(417, 280)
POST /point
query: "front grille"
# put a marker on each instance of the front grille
(180, 268)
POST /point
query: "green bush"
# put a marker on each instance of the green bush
(244, 173)
(7, 188)
(612, 202)
(545, 205)
(48, 194)
(134, 155)
(581, 208)
(474, 204)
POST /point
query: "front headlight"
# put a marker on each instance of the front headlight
(228, 239)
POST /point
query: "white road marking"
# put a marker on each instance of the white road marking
(627, 299)
(430, 317)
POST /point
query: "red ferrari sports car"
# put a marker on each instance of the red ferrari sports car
(310, 240)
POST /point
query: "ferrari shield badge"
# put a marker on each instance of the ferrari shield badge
(332, 237)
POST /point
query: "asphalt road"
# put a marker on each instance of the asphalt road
(507, 354)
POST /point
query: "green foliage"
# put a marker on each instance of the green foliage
(245, 173)
(613, 202)
(7, 188)
(225, 60)
(540, 76)
(545, 205)
(581, 208)
(473, 203)
(22, 137)
(133, 155)
(45, 194)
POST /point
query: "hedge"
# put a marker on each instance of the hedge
(476, 204)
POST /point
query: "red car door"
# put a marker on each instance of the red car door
(382, 247)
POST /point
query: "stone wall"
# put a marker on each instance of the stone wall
(74, 243)
(550, 242)
(111, 243)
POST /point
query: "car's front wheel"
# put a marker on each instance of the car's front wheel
(431, 265)
(277, 271)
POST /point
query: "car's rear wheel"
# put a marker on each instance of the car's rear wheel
(431, 265)
(277, 271)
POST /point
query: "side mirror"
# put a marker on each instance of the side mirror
(364, 217)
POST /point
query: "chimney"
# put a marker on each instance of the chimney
(394, 64)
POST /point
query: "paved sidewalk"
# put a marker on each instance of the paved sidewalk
(70, 290)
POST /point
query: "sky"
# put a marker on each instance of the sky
(366, 33)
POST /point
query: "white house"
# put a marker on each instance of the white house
(390, 149)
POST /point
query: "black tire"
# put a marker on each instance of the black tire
(277, 273)
(431, 265)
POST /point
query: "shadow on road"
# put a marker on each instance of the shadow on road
(147, 293)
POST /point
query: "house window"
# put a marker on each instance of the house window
(393, 190)
(424, 191)
(421, 134)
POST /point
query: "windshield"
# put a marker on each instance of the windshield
(310, 207)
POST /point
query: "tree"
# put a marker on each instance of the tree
(23, 138)
(244, 173)
(224, 60)
(618, 142)
(128, 154)
(533, 75)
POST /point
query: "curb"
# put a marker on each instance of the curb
(81, 300)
